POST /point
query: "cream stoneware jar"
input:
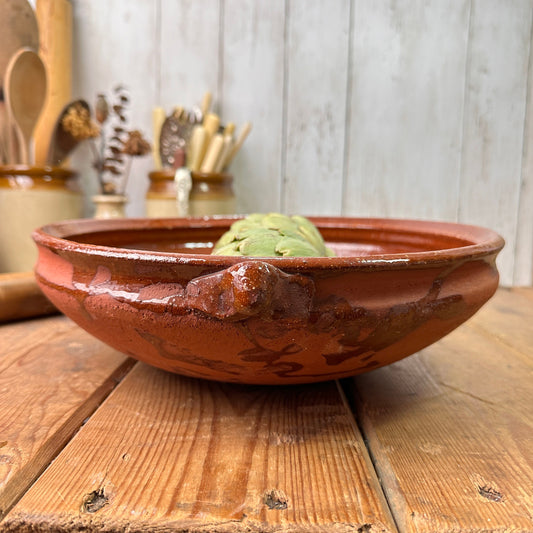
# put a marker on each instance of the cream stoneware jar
(210, 194)
(29, 198)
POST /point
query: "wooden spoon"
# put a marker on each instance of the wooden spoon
(62, 142)
(25, 92)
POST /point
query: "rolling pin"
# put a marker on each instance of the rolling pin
(21, 297)
(55, 48)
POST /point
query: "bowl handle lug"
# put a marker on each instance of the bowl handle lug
(252, 289)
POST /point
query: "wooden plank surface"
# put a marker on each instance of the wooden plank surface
(167, 453)
(450, 429)
(509, 318)
(52, 377)
(527, 292)
(187, 32)
(493, 138)
(252, 90)
(317, 77)
(449, 432)
(406, 111)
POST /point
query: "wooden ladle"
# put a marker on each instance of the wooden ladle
(25, 93)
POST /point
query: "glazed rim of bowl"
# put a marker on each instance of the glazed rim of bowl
(457, 241)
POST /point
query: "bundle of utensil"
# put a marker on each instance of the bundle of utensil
(35, 76)
(195, 139)
(21, 103)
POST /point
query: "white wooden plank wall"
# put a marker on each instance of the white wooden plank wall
(410, 108)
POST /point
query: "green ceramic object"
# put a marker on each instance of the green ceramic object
(272, 235)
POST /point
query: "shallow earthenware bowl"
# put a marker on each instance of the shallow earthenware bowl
(149, 288)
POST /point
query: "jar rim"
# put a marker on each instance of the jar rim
(36, 171)
(168, 174)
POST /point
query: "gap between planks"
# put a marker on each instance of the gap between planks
(450, 429)
(170, 453)
(52, 379)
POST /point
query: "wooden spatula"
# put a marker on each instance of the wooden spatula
(25, 93)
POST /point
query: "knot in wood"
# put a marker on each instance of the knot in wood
(276, 499)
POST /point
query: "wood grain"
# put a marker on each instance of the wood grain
(188, 52)
(315, 119)
(55, 48)
(508, 318)
(252, 89)
(451, 428)
(20, 297)
(52, 377)
(167, 453)
(491, 161)
(405, 122)
(523, 267)
(526, 292)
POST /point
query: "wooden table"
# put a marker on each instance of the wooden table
(441, 441)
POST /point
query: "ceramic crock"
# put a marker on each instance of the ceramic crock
(30, 197)
(210, 194)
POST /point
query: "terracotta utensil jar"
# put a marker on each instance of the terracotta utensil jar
(149, 288)
(30, 197)
(211, 194)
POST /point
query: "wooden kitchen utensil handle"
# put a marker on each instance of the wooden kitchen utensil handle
(158, 117)
(55, 28)
(211, 124)
(197, 148)
(213, 153)
(206, 103)
(239, 142)
(224, 154)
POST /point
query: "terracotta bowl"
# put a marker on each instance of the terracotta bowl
(148, 288)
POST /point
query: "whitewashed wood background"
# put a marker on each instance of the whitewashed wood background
(418, 109)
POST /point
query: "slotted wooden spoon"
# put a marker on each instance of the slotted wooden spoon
(25, 92)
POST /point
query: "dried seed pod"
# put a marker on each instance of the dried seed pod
(135, 144)
(78, 123)
(101, 109)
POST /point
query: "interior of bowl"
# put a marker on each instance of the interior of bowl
(355, 238)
